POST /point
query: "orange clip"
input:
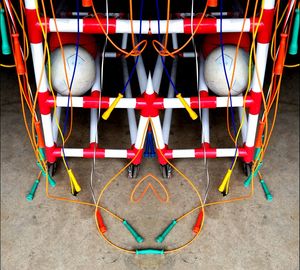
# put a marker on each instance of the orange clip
(197, 225)
(18, 55)
(281, 55)
(260, 131)
(101, 224)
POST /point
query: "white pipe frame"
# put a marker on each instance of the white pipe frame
(130, 112)
(175, 27)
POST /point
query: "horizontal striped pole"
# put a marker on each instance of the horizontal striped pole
(140, 103)
(176, 26)
(209, 152)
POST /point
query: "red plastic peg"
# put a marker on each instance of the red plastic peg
(281, 55)
(197, 225)
(101, 224)
(18, 55)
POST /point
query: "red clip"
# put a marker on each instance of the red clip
(197, 225)
(39, 134)
(101, 224)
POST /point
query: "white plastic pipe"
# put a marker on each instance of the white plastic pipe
(94, 112)
(205, 112)
(128, 94)
(168, 112)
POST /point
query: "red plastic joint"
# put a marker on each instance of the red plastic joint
(249, 153)
(136, 154)
(206, 102)
(256, 102)
(209, 152)
(91, 25)
(33, 26)
(93, 101)
(93, 145)
(207, 26)
(43, 102)
(162, 159)
(91, 152)
(49, 151)
(148, 109)
(265, 29)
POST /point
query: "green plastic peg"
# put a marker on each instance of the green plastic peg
(137, 237)
(161, 238)
(294, 42)
(268, 194)
(5, 44)
(248, 180)
(149, 251)
(30, 195)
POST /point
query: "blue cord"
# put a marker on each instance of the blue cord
(162, 59)
(137, 58)
(227, 81)
(72, 79)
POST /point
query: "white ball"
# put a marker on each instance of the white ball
(214, 74)
(85, 72)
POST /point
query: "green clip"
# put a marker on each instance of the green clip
(248, 180)
(30, 195)
(161, 238)
(5, 44)
(266, 190)
(50, 179)
(137, 237)
(149, 251)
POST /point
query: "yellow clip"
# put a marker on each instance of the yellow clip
(225, 183)
(107, 113)
(74, 182)
(192, 114)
